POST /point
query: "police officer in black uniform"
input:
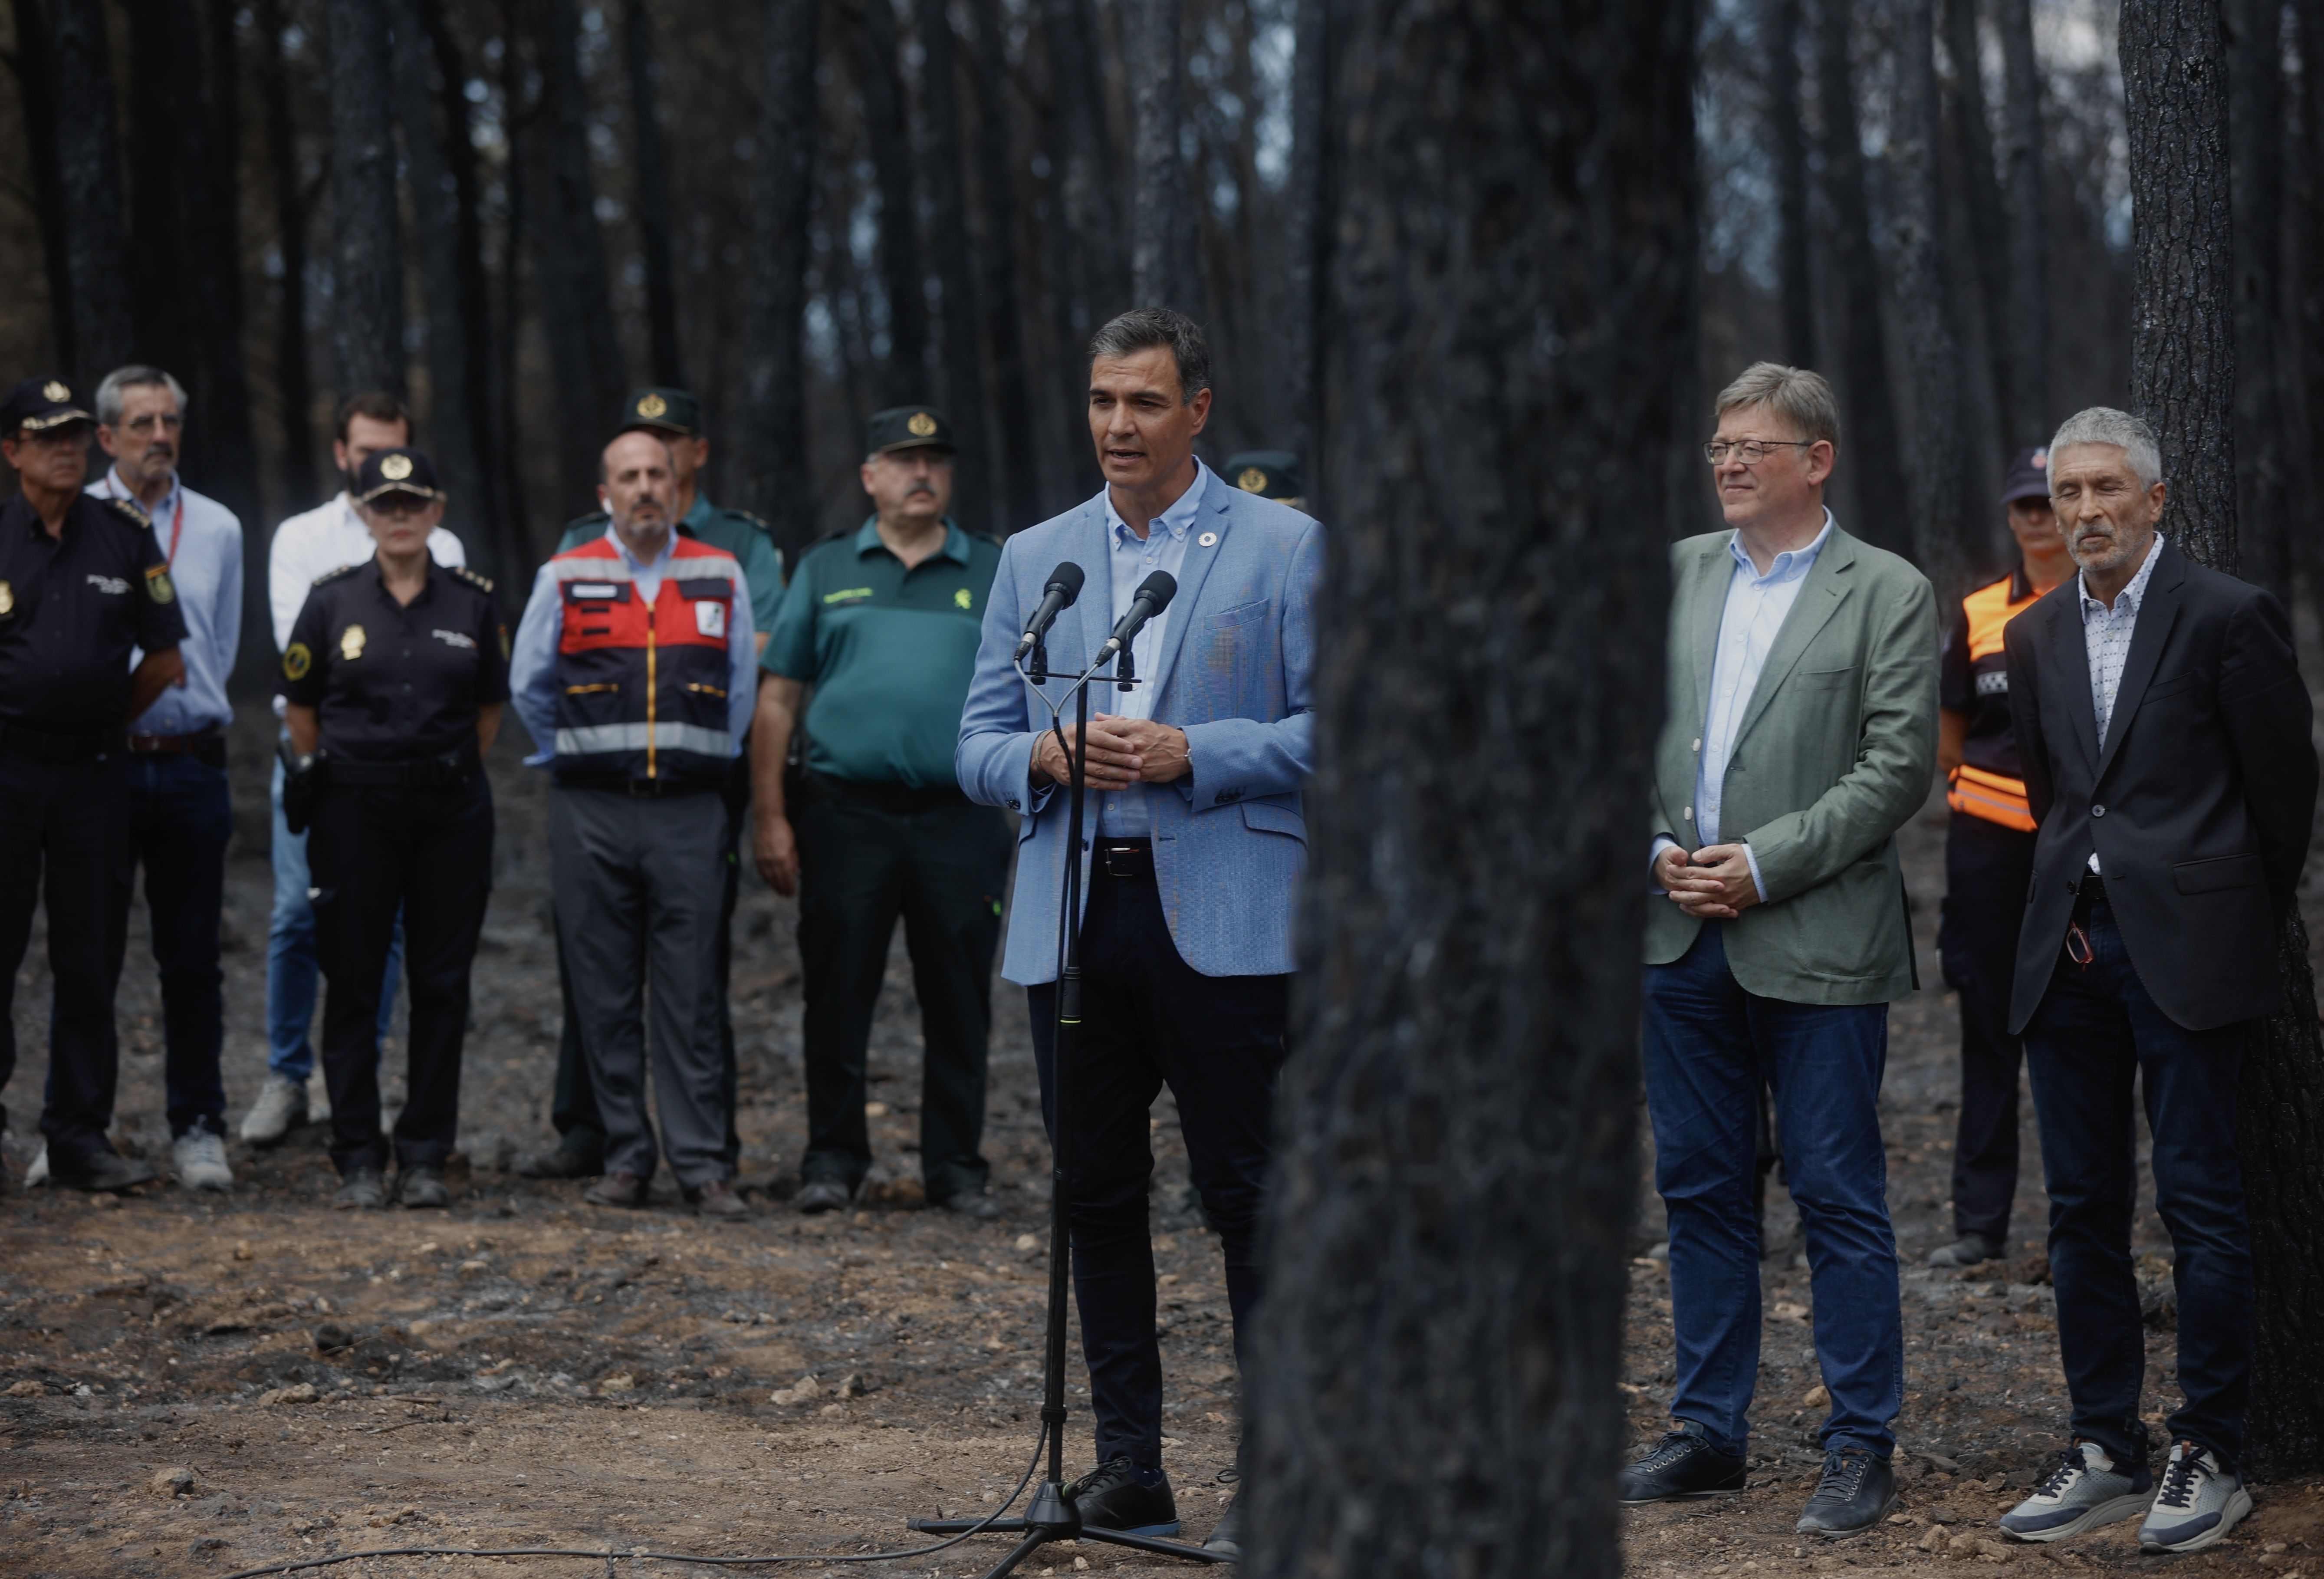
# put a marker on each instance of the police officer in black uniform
(1271, 474)
(394, 676)
(83, 584)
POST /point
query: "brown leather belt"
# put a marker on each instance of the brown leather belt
(170, 745)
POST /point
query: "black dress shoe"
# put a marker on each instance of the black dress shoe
(1857, 1491)
(421, 1185)
(825, 1194)
(98, 1171)
(974, 1204)
(1226, 1540)
(362, 1190)
(1682, 1464)
(566, 1160)
(1109, 1496)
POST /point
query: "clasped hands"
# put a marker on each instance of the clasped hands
(1121, 751)
(1713, 884)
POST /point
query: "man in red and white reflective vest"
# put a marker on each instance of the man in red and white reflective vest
(634, 671)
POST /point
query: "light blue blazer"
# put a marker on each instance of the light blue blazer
(1236, 672)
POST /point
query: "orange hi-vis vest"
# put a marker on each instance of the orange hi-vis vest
(641, 687)
(1972, 790)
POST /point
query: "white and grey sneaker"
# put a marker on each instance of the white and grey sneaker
(2085, 1490)
(38, 1174)
(199, 1158)
(2199, 1503)
(282, 1104)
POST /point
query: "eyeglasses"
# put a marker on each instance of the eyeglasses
(1749, 451)
(147, 425)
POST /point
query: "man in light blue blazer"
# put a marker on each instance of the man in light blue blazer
(1194, 846)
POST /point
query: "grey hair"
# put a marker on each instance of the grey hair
(2128, 433)
(1800, 398)
(1142, 328)
(136, 375)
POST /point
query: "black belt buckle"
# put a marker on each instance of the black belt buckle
(1126, 859)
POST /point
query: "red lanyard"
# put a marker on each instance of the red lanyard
(176, 517)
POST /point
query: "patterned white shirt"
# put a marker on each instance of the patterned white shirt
(2106, 642)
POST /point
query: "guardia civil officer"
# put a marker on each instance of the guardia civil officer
(394, 677)
(675, 417)
(1988, 861)
(83, 584)
(1271, 474)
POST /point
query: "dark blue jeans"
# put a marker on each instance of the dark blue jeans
(181, 817)
(1707, 1041)
(2096, 1032)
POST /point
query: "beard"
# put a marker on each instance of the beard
(2121, 546)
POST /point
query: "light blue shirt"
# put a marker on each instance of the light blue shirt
(532, 657)
(204, 542)
(2106, 642)
(1129, 561)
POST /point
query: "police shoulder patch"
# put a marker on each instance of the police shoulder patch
(327, 577)
(133, 511)
(297, 659)
(462, 573)
(158, 585)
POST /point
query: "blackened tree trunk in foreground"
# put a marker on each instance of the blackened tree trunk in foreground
(367, 248)
(1794, 291)
(88, 162)
(773, 450)
(1868, 427)
(2026, 332)
(1936, 457)
(1163, 271)
(656, 218)
(2183, 379)
(1434, 1387)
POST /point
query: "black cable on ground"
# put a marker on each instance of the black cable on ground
(609, 1558)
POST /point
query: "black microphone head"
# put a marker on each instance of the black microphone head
(1158, 589)
(1068, 578)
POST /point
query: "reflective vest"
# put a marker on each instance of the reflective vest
(1972, 790)
(642, 687)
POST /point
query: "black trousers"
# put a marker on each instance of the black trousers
(1147, 1018)
(64, 835)
(1988, 868)
(180, 820)
(429, 853)
(572, 1102)
(944, 871)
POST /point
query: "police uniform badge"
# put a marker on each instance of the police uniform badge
(158, 585)
(297, 659)
(395, 468)
(53, 391)
(920, 425)
(7, 600)
(1253, 481)
(351, 644)
(651, 406)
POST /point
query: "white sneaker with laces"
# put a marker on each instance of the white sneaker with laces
(38, 1174)
(200, 1158)
(2199, 1503)
(2087, 1489)
(281, 1105)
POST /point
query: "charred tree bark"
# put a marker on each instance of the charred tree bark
(33, 64)
(1162, 267)
(2175, 81)
(366, 243)
(2255, 136)
(1868, 434)
(2306, 174)
(1307, 208)
(568, 261)
(165, 91)
(1787, 134)
(1096, 281)
(88, 162)
(293, 378)
(2025, 342)
(774, 476)
(516, 245)
(649, 161)
(1932, 350)
(887, 127)
(1018, 499)
(1973, 154)
(948, 236)
(1457, 1173)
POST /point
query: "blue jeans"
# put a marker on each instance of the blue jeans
(180, 817)
(2096, 1032)
(1707, 1040)
(293, 975)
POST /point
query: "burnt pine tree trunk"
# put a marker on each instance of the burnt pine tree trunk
(366, 243)
(521, 125)
(1936, 453)
(774, 476)
(88, 162)
(1868, 430)
(2025, 332)
(650, 167)
(1097, 280)
(1163, 271)
(1308, 207)
(2306, 172)
(946, 162)
(2182, 378)
(2256, 134)
(293, 379)
(1017, 500)
(1433, 1389)
(33, 64)
(568, 261)
(887, 127)
(165, 77)
(1973, 156)
(1787, 137)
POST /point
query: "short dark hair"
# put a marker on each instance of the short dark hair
(380, 407)
(1141, 328)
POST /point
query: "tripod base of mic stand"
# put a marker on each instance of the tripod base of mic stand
(1050, 1518)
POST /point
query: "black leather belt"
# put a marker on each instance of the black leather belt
(42, 746)
(410, 774)
(1125, 860)
(206, 746)
(2091, 888)
(895, 799)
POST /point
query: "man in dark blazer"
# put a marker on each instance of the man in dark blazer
(2163, 729)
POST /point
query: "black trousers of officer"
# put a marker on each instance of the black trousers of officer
(372, 850)
(869, 854)
(572, 1102)
(1147, 1017)
(1988, 869)
(64, 829)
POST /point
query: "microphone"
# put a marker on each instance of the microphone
(1154, 595)
(1065, 586)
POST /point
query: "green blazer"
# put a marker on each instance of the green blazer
(1836, 750)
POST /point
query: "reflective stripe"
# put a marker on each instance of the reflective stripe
(590, 568)
(697, 567)
(597, 739)
(1974, 792)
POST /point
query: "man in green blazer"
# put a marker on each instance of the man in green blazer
(1800, 732)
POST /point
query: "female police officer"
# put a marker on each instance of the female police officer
(394, 677)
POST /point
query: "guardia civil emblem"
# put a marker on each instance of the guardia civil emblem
(651, 406)
(351, 644)
(920, 425)
(1253, 481)
(395, 468)
(963, 598)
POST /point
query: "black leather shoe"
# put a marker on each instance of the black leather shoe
(99, 1171)
(1682, 1464)
(421, 1185)
(1110, 1497)
(1857, 1491)
(566, 1160)
(362, 1190)
(825, 1194)
(1226, 1540)
(974, 1204)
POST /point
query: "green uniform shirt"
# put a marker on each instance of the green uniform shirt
(889, 651)
(738, 534)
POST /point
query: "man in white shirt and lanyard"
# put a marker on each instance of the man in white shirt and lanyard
(181, 814)
(306, 547)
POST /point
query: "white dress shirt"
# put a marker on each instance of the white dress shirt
(2106, 642)
(318, 541)
(1129, 561)
(203, 540)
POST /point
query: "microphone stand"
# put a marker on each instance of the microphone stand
(1050, 1516)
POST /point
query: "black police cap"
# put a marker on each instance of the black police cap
(1271, 474)
(909, 428)
(2029, 477)
(39, 404)
(396, 471)
(663, 410)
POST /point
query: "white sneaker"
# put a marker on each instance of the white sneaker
(2087, 1489)
(318, 1096)
(2199, 1503)
(38, 1174)
(282, 1104)
(200, 1160)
